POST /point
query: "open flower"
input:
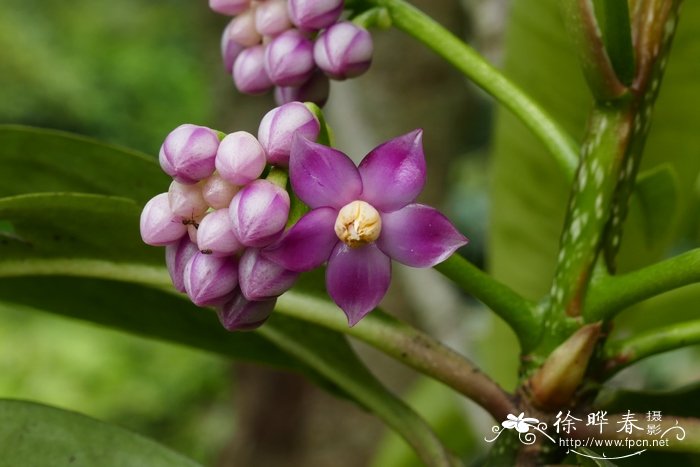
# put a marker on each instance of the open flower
(361, 218)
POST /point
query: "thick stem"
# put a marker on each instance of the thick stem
(423, 28)
(521, 315)
(408, 345)
(609, 295)
(622, 353)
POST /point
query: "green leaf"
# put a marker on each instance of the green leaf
(592, 459)
(530, 193)
(38, 160)
(657, 197)
(37, 435)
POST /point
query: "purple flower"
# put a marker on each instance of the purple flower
(210, 279)
(215, 234)
(240, 158)
(278, 127)
(217, 192)
(271, 17)
(177, 255)
(188, 153)
(239, 314)
(289, 58)
(315, 14)
(229, 7)
(159, 226)
(242, 29)
(187, 201)
(260, 278)
(315, 90)
(344, 50)
(230, 49)
(249, 73)
(361, 218)
(259, 213)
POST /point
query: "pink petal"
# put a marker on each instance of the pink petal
(322, 176)
(419, 236)
(393, 174)
(357, 279)
(308, 244)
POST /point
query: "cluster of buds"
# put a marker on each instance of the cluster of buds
(294, 46)
(219, 212)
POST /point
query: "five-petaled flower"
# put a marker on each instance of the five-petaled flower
(521, 423)
(361, 218)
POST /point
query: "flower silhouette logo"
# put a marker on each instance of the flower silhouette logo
(521, 423)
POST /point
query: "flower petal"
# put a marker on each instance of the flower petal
(393, 174)
(308, 244)
(322, 176)
(357, 279)
(419, 236)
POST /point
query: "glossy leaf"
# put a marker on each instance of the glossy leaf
(35, 434)
(38, 160)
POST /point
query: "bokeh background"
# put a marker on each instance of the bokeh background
(130, 71)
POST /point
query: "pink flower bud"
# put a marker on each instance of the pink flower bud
(271, 17)
(230, 49)
(239, 314)
(260, 279)
(210, 279)
(159, 226)
(176, 257)
(242, 29)
(186, 201)
(278, 127)
(259, 213)
(188, 153)
(344, 50)
(217, 192)
(229, 7)
(315, 14)
(289, 58)
(315, 90)
(240, 159)
(249, 71)
(192, 233)
(215, 234)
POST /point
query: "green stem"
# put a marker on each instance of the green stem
(408, 345)
(521, 315)
(611, 294)
(622, 353)
(426, 30)
(374, 396)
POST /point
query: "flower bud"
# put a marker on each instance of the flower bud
(192, 233)
(188, 153)
(217, 192)
(289, 58)
(159, 226)
(215, 234)
(229, 7)
(210, 279)
(239, 314)
(315, 90)
(260, 279)
(242, 29)
(187, 201)
(259, 213)
(230, 49)
(315, 14)
(249, 71)
(176, 257)
(240, 159)
(344, 50)
(271, 17)
(278, 127)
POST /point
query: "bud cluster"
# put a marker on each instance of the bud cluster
(219, 211)
(294, 46)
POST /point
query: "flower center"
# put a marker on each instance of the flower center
(358, 224)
